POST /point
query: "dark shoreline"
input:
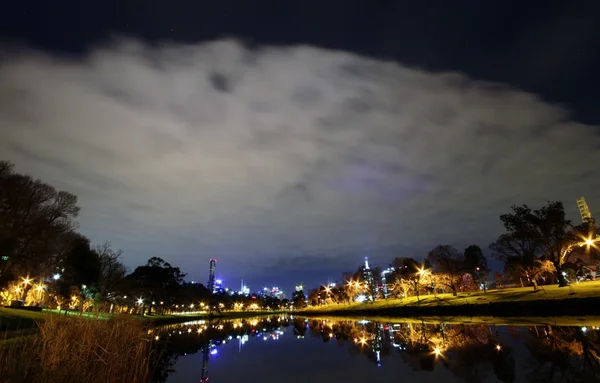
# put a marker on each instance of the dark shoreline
(534, 308)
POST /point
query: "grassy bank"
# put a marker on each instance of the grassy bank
(15, 319)
(69, 349)
(576, 300)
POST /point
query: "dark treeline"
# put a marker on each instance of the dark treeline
(538, 246)
(45, 261)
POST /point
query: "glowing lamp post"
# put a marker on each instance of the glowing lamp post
(587, 242)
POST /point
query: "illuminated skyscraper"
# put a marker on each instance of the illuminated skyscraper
(211, 275)
(369, 279)
(384, 281)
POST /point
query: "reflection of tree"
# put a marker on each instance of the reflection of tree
(563, 354)
(469, 352)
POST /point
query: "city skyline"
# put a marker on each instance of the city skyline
(288, 153)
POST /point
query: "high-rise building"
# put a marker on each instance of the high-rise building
(384, 280)
(369, 279)
(211, 275)
(245, 290)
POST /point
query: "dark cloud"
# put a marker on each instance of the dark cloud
(279, 161)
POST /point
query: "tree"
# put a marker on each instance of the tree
(517, 253)
(475, 260)
(298, 299)
(543, 233)
(81, 270)
(406, 276)
(475, 264)
(34, 218)
(112, 272)
(498, 280)
(156, 281)
(447, 263)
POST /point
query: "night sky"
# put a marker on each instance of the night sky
(291, 139)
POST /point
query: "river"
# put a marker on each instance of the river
(287, 349)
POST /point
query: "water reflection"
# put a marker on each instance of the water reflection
(390, 349)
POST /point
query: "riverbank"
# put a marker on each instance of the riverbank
(576, 300)
(588, 321)
(13, 319)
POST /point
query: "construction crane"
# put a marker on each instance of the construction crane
(584, 210)
(586, 216)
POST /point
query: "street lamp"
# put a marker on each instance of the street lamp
(588, 242)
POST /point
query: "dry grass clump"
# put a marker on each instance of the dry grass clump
(79, 350)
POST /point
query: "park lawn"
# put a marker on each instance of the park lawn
(519, 294)
(13, 319)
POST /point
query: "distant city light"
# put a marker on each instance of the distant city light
(56, 276)
(219, 281)
(213, 351)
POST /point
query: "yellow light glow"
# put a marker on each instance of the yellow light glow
(26, 281)
(498, 347)
(589, 242)
(156, 337)
(437, 351)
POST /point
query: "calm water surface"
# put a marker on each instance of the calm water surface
(293, 349)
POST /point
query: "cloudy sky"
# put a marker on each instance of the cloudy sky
(291, 162)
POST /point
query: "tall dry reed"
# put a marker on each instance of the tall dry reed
(70, 350)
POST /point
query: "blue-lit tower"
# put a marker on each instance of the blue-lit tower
(211, 275)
